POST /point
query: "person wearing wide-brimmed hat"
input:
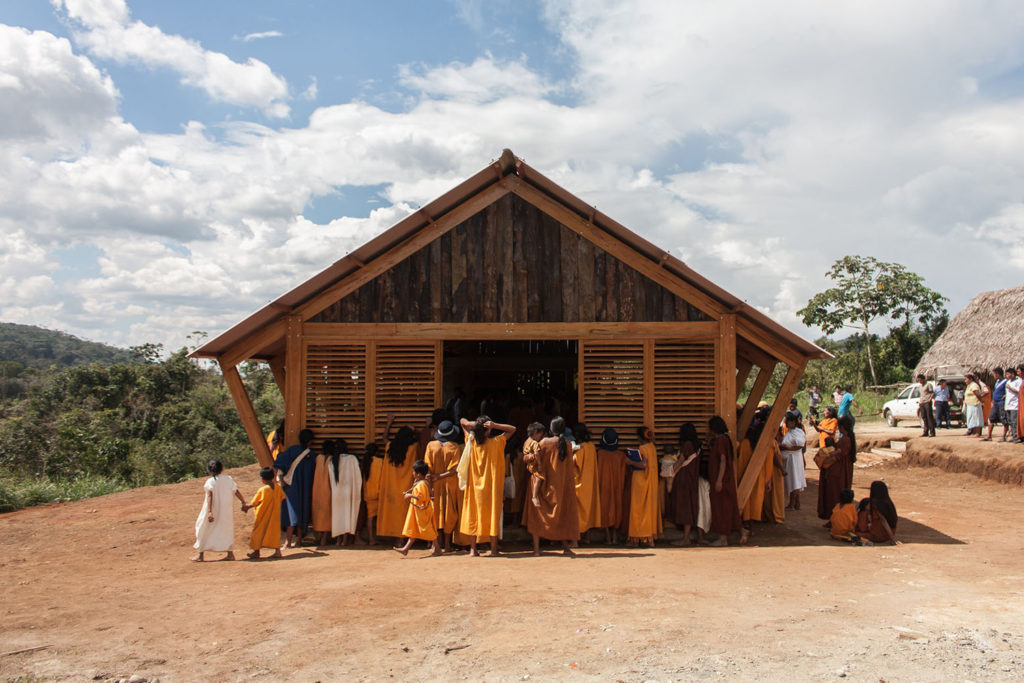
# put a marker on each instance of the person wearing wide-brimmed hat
(442, 457)
(611, 477)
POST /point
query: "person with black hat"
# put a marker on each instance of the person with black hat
(611, 478)
(442, 457)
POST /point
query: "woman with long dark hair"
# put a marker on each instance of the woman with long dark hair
(588, 497)
(837, 470)
(482, 476)
(395, 479)
(552, 512)
(684, 504)
(346, 488)
(876, 516)
(725, 509)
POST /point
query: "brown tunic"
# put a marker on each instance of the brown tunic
(834, 479)
(611, 475)
(725, 510)
(557, 518)
(683, 501)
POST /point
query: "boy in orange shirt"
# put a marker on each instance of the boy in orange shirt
(844, 518)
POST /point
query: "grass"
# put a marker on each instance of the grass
(16, 494)
(870, 402)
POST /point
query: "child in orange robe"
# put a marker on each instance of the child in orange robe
(844, 518)
(419, 520)
(266, 531)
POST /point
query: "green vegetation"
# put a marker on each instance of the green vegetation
(86, 430)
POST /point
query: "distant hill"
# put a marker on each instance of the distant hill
(37, 347)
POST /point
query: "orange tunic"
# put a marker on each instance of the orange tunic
(557, 517)
(778, 494)
(588, 497)
(321, 518)
(611, 479)
(485, 489)
(266, 531)
(829, 423)
(843, 519)
(443, 457)
(644, 513)
(419, 520)
(754, 506)
(371, 488)
(395, 480)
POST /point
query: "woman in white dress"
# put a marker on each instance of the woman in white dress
(215, 526)
(792, 447)
(346, 490)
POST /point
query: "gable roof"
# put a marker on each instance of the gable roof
(511, 172)
(980, 337)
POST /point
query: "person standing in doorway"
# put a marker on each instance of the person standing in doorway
(482, 476)
(924, 406)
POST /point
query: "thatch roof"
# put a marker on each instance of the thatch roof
(988, 333)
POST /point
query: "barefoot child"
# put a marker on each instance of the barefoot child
(266, 531)
(844, 518)
(419, 520)
(215, 526)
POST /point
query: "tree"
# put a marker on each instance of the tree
(868, 290)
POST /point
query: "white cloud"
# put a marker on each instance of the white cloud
(311, 90)
(485, 80)
(107, 32)
(249, 37)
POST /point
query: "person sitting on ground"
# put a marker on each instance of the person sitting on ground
(266, 530)
(876, 516)
(995, 415)
(215, 526)
(1011, 405)
(844, 518)
(419, 520)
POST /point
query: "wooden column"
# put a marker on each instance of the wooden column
(725, 371)
(763, 447)
(756, 392)
(294, 376)
(257, 439)
(649, 383)
(370, 425)
(743, 368)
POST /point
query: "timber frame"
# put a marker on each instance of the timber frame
(365, 337)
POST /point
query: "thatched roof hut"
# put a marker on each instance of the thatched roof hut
(986, 334)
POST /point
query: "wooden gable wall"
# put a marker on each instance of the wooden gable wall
(510, 262)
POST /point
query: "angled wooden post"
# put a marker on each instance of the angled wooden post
(743, 368)
(763, 446)
(257, 439)
(756, 392)
(725, 371)
(294, 376)
(277, 369)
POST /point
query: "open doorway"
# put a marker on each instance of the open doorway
(516, 382)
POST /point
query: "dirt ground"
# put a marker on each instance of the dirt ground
(105, 589)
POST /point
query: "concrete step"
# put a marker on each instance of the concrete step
(900, 446)
(888, 452)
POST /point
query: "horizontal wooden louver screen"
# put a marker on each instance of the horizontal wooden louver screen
(612, 388)
(684, 387)
(336, 393)
(405, 384)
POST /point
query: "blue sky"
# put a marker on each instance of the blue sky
(174, 166)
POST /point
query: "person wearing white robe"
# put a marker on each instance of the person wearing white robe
(792, 450)
(346, 492)
(215, 526)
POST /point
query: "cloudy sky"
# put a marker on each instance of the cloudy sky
(173, 166)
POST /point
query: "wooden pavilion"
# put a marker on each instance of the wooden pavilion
(511, 274)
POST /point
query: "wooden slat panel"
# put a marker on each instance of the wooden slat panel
(612, 387)
(405, 383)
(684, 386)
(336, 392)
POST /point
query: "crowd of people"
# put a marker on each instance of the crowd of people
(999, 403)
(458, 483)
